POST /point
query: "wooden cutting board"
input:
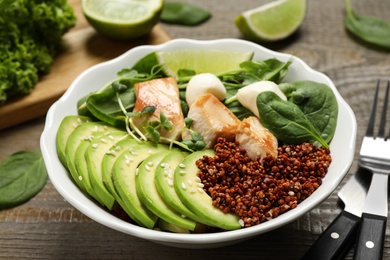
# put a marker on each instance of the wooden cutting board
(82, 48)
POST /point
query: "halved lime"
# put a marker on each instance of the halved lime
(201, 61)
(122, 19)
(273, 21)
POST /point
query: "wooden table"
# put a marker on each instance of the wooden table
(47, 227)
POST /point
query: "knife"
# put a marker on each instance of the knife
(336, 241)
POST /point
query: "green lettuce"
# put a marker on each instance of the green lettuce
(30, 36)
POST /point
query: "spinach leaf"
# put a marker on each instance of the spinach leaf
(271, 69)
(22, 176)
(368, 28)
(183, 14)
(318, 102)
(146, 65)
(105, 106)
(285, 120)
(82, 109)
(251, 71)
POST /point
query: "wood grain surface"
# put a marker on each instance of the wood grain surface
(81, 48)
(47, 227)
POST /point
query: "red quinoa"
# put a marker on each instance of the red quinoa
(263, 189)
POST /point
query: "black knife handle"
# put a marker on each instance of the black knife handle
(336, 240)
(371, 237)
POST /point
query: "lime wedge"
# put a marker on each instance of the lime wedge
(122, 19)
(272, 22)
(201, 61)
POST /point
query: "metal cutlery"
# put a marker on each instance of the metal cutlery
(375, 157)
(338, 238)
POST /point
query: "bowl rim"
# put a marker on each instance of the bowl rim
(77, 199)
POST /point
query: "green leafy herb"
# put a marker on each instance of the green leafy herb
(30, 35)
(165, 123)
(317, 102)
(153, 133)
(118, 87)
(199, 145)
(105, 106)
(252, 71)
(147, 67)
(286, 121)
(196, 143)
(368, 28)
(153, 127)
(130, 73)
(196, 136)
(146, 110)
(271, 69)
(22, 176)
(183, 14)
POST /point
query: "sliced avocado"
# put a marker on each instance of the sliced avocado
(109, 160)
(164, 183)
(67, 126)
(149, 196)
(190, 191)
(124, 172)
(94, 156)
(166, 226)
(107, 169)
(81, 166)
(85, 132)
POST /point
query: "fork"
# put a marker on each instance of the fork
(375, 157)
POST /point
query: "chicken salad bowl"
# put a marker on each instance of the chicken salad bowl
(198, 143)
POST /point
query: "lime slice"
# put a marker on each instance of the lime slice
(201, 61)
(272, 22)
(122, 19)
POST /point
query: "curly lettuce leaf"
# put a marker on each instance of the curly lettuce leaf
(30, 35)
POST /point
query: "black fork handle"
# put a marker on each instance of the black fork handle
(371, 237)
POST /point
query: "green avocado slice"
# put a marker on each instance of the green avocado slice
(124, 175)
(81, 167)
(108, 162)
(66, 128)
(94, 156)
(83, 133)
(164, 180)
(150, 197)
(190, 191)
(166, 226)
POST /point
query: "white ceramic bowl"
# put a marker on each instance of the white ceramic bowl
(342, 146)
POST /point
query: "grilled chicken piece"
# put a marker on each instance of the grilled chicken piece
(211, 119)
(163, 94)
(255, 139)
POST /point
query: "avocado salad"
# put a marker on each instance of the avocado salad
(136, 143)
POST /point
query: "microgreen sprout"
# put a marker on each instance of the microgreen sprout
(148, 110)
(119, 87)
(152, 129)
(196, 142)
